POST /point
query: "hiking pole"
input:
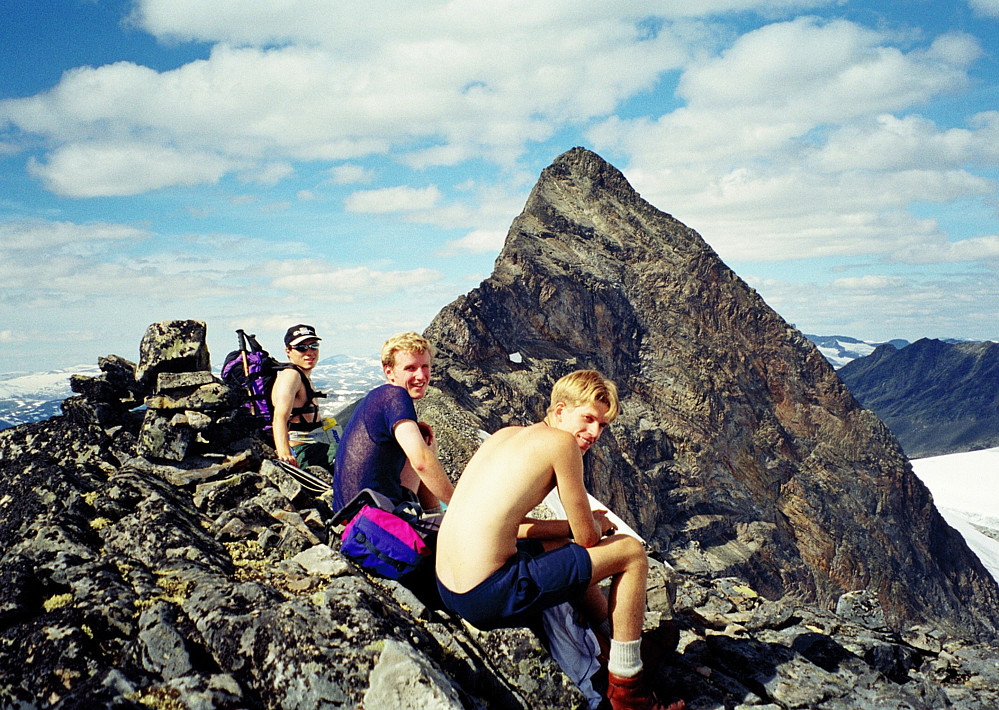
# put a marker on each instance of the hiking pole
(246, 370)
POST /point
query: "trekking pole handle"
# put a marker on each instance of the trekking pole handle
(246, 369)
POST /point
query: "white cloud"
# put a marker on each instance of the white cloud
(868, 283)
(984, 249)
(269, 174)
(478, 241)
(789, 145)
(434, 84)
(987, 8)
(101, 170)
(28, 242)
(887, 142)
(351, 174)
(326, 281)
(392, 199)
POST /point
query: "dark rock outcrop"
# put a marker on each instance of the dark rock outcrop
(937, 397)
(130, 583)
(738, 450)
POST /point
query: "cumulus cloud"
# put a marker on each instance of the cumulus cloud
(478, 241)
(346, 283)
(351, 174)
(435, 84)
(33, 240)
(392, 199)
(102, 170)
(987, 8)
(984, 249)
(794, 142)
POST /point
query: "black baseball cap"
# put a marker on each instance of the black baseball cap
(299, 333)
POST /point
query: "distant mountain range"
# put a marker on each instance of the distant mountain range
(841, 349)
(937, 397)
(31, 397)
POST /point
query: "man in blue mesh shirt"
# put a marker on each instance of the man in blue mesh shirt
(383, 446)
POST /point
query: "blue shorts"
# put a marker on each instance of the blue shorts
(528, 583)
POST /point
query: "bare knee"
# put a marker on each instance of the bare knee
(634, 552)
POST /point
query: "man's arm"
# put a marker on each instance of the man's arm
(286, 386)
(567, 461)
(544, 529)
(423, 458)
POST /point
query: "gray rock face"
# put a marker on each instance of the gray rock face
(738, 450)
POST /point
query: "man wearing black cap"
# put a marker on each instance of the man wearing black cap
(296, 412)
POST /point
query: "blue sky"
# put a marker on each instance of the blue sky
(259, 164)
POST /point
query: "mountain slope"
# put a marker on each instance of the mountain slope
(936, 397)
(738, 451)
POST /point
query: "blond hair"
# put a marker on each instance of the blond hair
(409, 342)
(586, 387)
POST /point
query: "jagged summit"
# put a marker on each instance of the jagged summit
(738, 451)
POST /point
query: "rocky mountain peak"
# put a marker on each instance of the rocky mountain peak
(738, 450)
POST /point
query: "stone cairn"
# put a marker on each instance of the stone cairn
(189, 412)
(187, 403)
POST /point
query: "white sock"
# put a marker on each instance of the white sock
(625, 658)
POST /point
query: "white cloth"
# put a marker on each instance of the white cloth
(574, 647)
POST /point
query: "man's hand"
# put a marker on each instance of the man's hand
(604, 525)
(288, 458)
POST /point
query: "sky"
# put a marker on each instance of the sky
(356, 166)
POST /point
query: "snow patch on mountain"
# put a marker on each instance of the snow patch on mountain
(841, 349)
(965, 489)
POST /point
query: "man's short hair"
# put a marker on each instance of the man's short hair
(409, 342)
(586, 387)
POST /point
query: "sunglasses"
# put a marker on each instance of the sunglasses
(306, 348)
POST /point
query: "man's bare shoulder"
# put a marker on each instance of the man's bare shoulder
(535, 435)
(288, 377)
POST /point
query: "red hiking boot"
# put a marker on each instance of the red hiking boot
(631, 694)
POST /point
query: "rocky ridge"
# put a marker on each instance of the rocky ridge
(135, 582)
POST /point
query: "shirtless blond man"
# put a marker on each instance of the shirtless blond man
(497, 567)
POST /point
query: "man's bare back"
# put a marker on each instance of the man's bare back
(508, 476)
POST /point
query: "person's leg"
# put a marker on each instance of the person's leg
(411, 479)
(313, 455)
(622, 558)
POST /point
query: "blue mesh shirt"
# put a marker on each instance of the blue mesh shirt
(369, 456)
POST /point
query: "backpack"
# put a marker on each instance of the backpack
(252, 371)
(386, 538)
